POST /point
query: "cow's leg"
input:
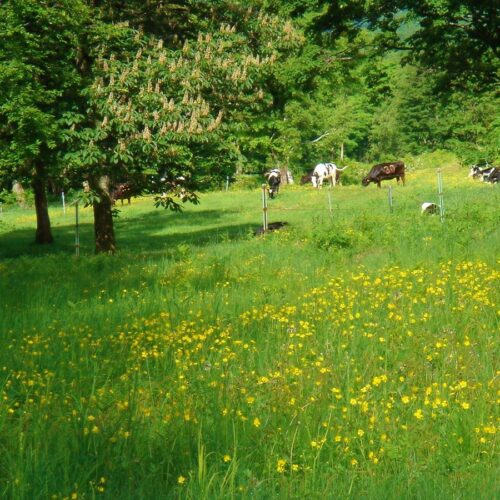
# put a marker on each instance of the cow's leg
(378, 184)
(403, 179)
(129, 201)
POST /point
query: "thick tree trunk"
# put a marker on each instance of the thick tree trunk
(43, 231)
(103, 218)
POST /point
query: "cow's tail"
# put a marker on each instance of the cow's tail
(342, 169)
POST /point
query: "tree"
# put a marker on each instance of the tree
(151, 111)
(458, 38)
(38, 82)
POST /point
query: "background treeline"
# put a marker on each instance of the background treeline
(198, 91)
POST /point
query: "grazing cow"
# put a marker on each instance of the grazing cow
(429, 208)
(385, 171)
(306, 178)
(122, 191)
(492, 176)
(475, 172)
(486, 172)
(273, 181)
(480, 170)
(328, 171)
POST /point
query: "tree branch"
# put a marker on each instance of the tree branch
(321, 137)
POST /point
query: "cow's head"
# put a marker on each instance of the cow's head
(366, 180)
(474, 171)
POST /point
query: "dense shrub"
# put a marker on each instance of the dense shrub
(247, 181)
(10, 198)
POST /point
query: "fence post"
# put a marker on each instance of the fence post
(390, 199)
(227, 183)
(330, 201)
(77, 232)
(440, 194)
(264, 207)
(1, 210)
(63, 202)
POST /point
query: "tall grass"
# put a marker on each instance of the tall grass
(349, 355)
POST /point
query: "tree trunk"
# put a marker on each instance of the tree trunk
(103, 218)
(43, 231)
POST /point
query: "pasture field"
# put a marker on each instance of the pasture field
(351, 355)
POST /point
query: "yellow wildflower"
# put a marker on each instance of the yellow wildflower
(419, 415)
(280, 466)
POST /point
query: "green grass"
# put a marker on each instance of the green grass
(351, 355)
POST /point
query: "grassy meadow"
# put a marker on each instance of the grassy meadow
(353, 354)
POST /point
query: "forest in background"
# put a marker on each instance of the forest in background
(197, 91)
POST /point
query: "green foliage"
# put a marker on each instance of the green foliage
(342, 236)
(247, 181)
(354, 172)
(431, 160)
(458, 39)
(38, 81)
(162, 109)
(9, 198)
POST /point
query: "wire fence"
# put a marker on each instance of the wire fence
(399, 202)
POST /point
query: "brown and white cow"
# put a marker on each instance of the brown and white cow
(385, 171)
(122, 191)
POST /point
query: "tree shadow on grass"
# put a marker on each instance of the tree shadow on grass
(154, 233)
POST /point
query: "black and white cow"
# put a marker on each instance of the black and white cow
(273, 181)
(493, 176)
(484, 171)
(326, 171)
